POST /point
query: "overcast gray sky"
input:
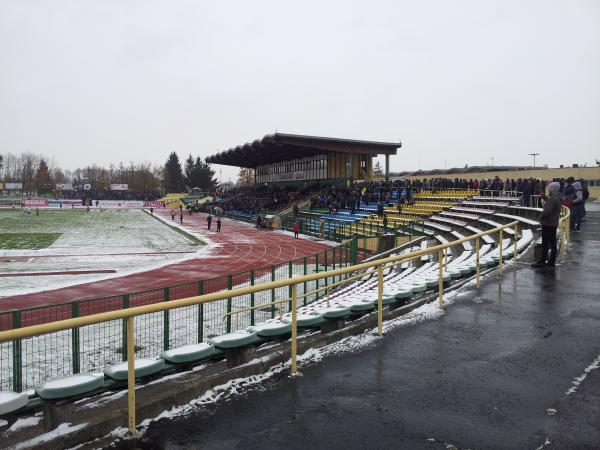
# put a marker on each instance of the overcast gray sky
(458, 82)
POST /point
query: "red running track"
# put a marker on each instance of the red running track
(239, 247)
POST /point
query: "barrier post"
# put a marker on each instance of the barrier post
(229, 287)
(75, 345)
(380, 300)
(440, 279)
(562, 238)
(124, 330)
(305, 273)
(294, 330)
(515, 244)
(477, 261)
(17, 356)
(130, 376)
(251, 298)
(290, 275)
(272, 293)
(200, 312)
(166, 331)
(445, 259)
(500, 253)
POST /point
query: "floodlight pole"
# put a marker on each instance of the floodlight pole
(534, 155)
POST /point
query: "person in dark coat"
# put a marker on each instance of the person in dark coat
(549, 221)
(218, 224)
(208, 221)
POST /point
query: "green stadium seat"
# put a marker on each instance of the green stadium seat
(236, 339)
(70, 386)
(271, 329)
(189, 353)
(307, 320)
(142, 368)
(12, 401)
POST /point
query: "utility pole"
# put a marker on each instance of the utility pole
(534, 155)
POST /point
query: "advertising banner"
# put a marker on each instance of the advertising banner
(119, 187)
(16, 186)
(64, 186)
(32, 202)
(119, 203)
(153, 204)
(64, 202)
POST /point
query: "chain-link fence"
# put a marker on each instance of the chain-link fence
(25, 363)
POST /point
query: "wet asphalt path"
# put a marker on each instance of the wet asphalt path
(486, 375)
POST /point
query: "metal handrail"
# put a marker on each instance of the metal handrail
(292, 283)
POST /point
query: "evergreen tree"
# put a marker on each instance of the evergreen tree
(206, 176)
(42, 175)
(189, 171)
(173, 176)
(378, 170)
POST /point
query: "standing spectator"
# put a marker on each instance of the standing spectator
(172, 215)
(218, 224)
(208, 221)
(296, 229)
(578, 207)
(385, 223)
(181, 217)
(151, 211)
(549, 221)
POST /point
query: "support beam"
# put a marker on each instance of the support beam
(387, 167)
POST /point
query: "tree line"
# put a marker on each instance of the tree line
(37, 172)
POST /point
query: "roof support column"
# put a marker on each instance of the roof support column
(387, 167)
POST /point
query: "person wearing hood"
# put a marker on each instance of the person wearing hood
(549, 221)
(578, 207)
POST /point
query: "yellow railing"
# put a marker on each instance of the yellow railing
(377, 266)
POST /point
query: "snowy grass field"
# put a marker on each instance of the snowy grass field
(122, 240)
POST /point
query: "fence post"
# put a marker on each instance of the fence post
(317, 295)
(290, 275)
(333, 262)
(440, 279)
(325, 264)
(17, 356)
(515, 244)
(500, 253)
(75, 347)
(477, 261)
(305, 273)
(229, 287)
(272, 293)
(252, 298)
(166, 331)
(124, 326)
(380, 300)
(200, 312)
(130, 375)
(294, 330)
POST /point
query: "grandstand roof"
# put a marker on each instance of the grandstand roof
(284, 147)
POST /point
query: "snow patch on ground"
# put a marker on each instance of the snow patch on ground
(578, 380)
(61, 430)
(25, 423)
(428, 311)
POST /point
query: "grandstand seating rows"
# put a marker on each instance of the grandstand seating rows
(402, 283)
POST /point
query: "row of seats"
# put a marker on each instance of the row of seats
(359, 297)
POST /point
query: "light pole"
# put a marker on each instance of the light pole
(534, 155)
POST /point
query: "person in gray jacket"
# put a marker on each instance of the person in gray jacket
(549, 221)
(578, 207)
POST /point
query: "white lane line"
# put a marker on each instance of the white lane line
(578, 380)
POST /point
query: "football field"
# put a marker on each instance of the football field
(61, 247)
